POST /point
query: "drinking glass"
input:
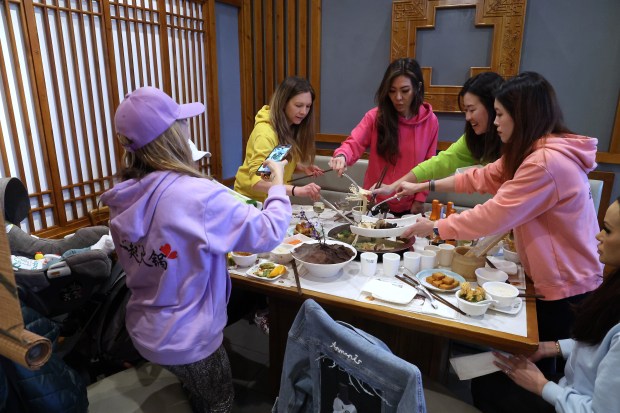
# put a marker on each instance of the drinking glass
(318, 207)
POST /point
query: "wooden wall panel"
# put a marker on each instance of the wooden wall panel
(506, 17)
(286, 41)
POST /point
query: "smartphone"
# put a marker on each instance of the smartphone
(278, 154)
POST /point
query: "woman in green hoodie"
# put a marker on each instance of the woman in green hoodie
(288, 120)
(480, 143)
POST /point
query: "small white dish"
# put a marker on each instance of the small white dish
(508, 267)
(244, 259)
(472, 309)
(514, 308)
(421, 276)
(252, 272)
(391, 292)
(486, 274)
(296, 239)
(282, 254)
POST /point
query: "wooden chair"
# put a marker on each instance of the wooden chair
(99, 216)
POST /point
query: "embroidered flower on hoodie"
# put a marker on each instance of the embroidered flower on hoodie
(159, 258)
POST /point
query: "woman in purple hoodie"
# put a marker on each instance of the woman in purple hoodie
(172, 228)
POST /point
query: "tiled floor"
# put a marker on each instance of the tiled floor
(248, 350)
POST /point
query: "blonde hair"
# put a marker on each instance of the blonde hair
(300, 137)
(168, 152)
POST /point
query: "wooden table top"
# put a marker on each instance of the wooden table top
(415, 321)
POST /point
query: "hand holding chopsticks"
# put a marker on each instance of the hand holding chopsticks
(307, 176)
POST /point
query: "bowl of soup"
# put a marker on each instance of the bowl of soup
(504, 294)
(244, 259)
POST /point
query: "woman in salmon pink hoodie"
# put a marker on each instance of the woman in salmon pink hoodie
(400, 132)
(540, 187)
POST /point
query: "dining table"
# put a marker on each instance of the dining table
(414, 331)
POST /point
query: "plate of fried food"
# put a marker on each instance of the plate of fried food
(267, 270)
(440, 280)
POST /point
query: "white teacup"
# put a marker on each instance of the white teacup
(446, 253)
(369, 263)
(428, 259)
(391, 262)
(411, 261)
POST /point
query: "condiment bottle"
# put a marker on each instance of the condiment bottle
(449, 206)
(435, 210)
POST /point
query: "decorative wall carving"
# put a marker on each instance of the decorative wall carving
(507, 17)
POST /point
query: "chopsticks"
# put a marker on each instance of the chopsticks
(296, 272)
(525, 295)
(435, 295)
(379, 182)
(329, 204)
(307, 176)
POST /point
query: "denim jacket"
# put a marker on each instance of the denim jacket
(317, 344)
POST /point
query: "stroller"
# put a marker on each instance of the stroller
(83, 291)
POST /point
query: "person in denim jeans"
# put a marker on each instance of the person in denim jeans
(316, 344)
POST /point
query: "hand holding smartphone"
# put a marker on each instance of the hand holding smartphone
(277, 154)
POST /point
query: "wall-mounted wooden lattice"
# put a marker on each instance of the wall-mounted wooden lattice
(507, 18)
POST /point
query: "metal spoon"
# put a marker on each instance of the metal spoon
(374, 208)
(352, 181)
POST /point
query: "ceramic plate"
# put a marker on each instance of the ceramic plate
(426, 273)
(513, 309)
(380, 233)
(255, 269)
(291, 231)
(391, 292)
(406, 220)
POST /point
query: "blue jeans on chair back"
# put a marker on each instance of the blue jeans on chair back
(331, 366)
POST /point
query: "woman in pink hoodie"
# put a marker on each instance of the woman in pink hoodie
(401, 132)
(541, 190)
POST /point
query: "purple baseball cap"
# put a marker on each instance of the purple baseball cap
(148, 112)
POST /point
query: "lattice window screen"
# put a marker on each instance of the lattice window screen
(58, 104)
(23, 154)
(79, 100)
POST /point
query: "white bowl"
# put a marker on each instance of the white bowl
(282, 254)
(511, 256)
(503, 293)
(244, 260)
(357, 213)
(472, 309)
(508, 267)
(325, 270)
(486, 274)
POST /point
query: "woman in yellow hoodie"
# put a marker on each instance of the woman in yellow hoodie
(288, 120)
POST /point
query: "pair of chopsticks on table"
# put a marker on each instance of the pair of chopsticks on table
(414, 283)
(307, 176)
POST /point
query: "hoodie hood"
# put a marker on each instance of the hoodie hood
(137, 198)
(424, 113)
(262, 116)
(579, 149)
